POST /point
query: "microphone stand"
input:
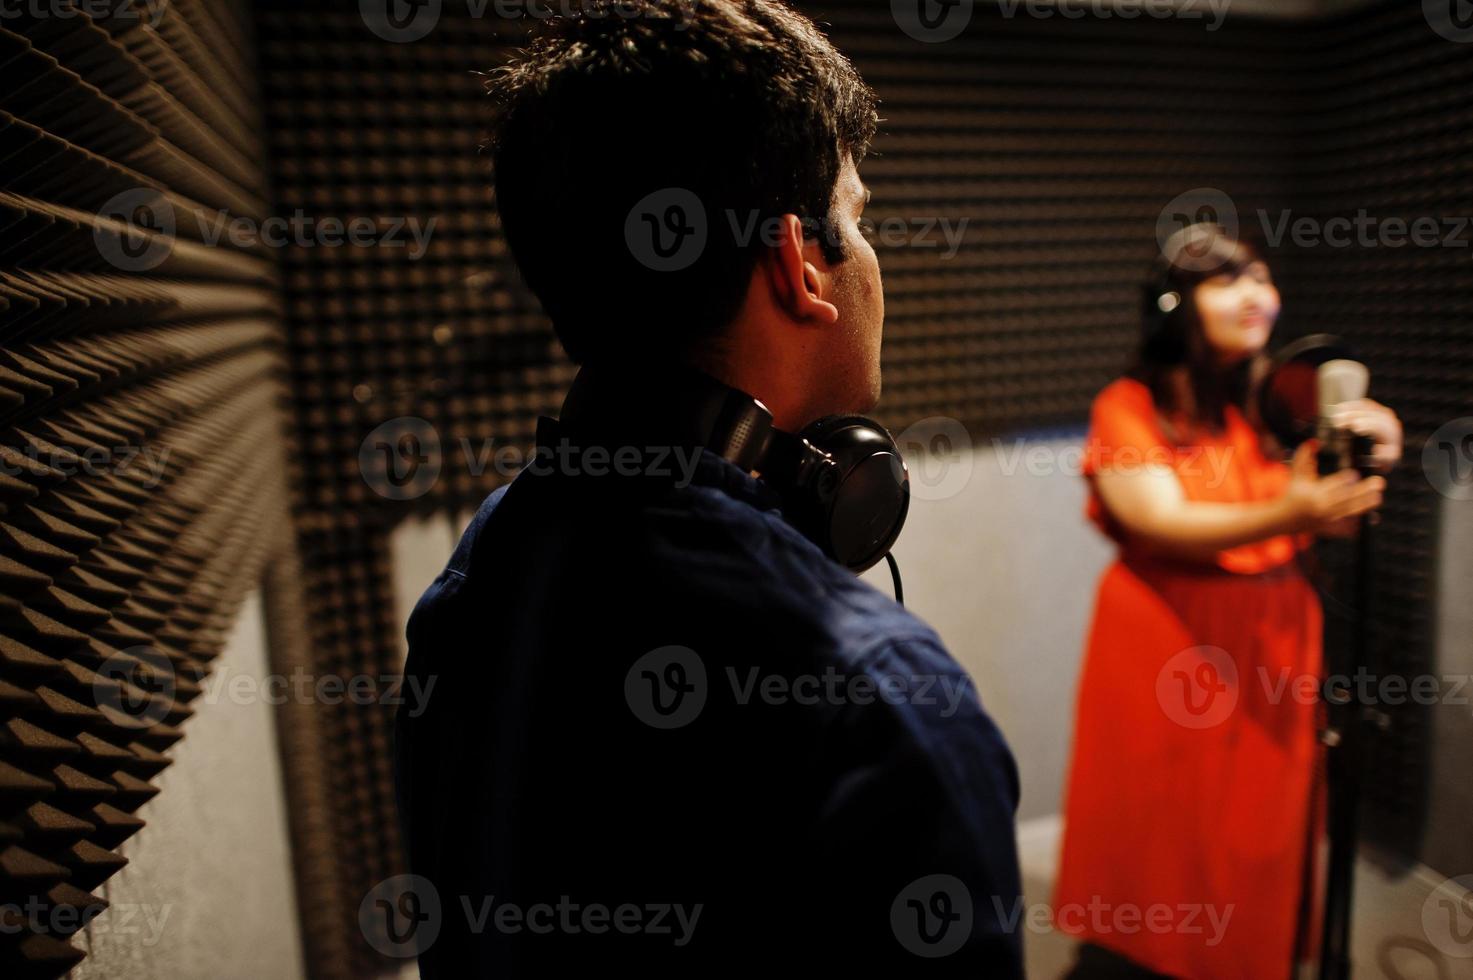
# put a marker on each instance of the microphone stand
(1344, 736)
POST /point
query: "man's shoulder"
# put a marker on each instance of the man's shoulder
(460, 558)
(698, 542)
(753, 563)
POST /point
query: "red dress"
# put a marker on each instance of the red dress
(1194, 790)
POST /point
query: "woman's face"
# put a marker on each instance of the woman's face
(1238, 311)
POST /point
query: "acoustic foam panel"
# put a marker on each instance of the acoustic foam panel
(140, 428)
(1390, 136)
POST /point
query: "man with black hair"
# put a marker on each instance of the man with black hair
(668, 731)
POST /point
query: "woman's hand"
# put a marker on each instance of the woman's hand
(1370, 418)
(1330, 505)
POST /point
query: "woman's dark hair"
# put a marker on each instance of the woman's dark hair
(666, 119)
(1172, 334)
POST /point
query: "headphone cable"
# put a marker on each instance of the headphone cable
(895, 577)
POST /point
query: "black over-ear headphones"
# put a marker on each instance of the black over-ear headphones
(841, 479)
(1162, 339)
(1165, 299)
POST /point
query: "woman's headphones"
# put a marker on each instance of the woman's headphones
(1166, 301)
(1164, 335)
(842, 480)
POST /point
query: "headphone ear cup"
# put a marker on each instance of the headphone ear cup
(1161, 301)
(855, 508)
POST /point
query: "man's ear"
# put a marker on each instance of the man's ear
(798, 285)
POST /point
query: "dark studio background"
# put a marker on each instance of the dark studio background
(265, 369)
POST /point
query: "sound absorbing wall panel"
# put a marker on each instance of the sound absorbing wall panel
(1391, 140)
(444, 349)
(141, 439)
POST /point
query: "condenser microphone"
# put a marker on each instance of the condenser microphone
(1337, 382)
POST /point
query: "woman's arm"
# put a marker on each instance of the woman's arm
(1150, 503)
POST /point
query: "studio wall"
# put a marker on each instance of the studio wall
(142, 484)
(1388, 137)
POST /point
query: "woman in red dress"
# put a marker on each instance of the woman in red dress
(1193, 800)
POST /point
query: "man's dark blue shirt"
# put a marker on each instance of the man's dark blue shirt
(665, 730)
